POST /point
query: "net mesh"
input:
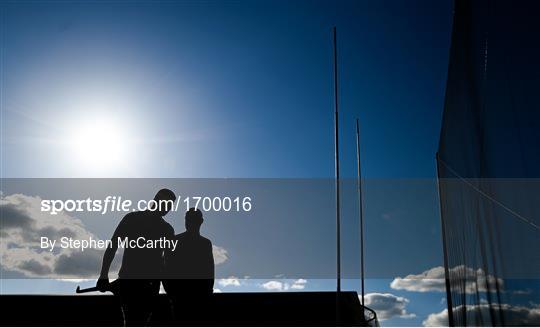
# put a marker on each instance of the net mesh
(488, 164)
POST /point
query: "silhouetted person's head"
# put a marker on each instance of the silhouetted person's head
(164, 199)
(194, 220)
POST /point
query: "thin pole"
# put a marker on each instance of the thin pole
(449, 302)
(361, 205)
(336, 143)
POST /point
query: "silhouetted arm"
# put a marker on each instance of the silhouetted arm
(108, 257)
(167, 259)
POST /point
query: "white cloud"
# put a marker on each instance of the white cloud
(231, 281)
(437, 319)
(513, 315)
(284, 285)
(433, 280)
(217, 290)
(388, 305)
(427, 281)
(23, 224)
(275, 285)
(299, 284)
(220, 254)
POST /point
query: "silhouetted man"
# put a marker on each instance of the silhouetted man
(190, 271)
(142, 267)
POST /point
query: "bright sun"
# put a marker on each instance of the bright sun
(100, 145)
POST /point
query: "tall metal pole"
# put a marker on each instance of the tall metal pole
(336, 143)
(360, 204)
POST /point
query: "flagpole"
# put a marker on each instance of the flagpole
(361, 205)
(336, 145)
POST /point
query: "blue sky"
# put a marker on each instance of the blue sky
(225, 80)
(239, 90)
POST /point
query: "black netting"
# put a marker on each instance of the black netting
(488, 161)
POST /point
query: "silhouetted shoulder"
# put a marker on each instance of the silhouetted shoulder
(206, 240)
(181, 235)
(123, 227)
(130, 216)
(169, 230)
(200, 239)
(133, 217)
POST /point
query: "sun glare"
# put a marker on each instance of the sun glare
(100, 145)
